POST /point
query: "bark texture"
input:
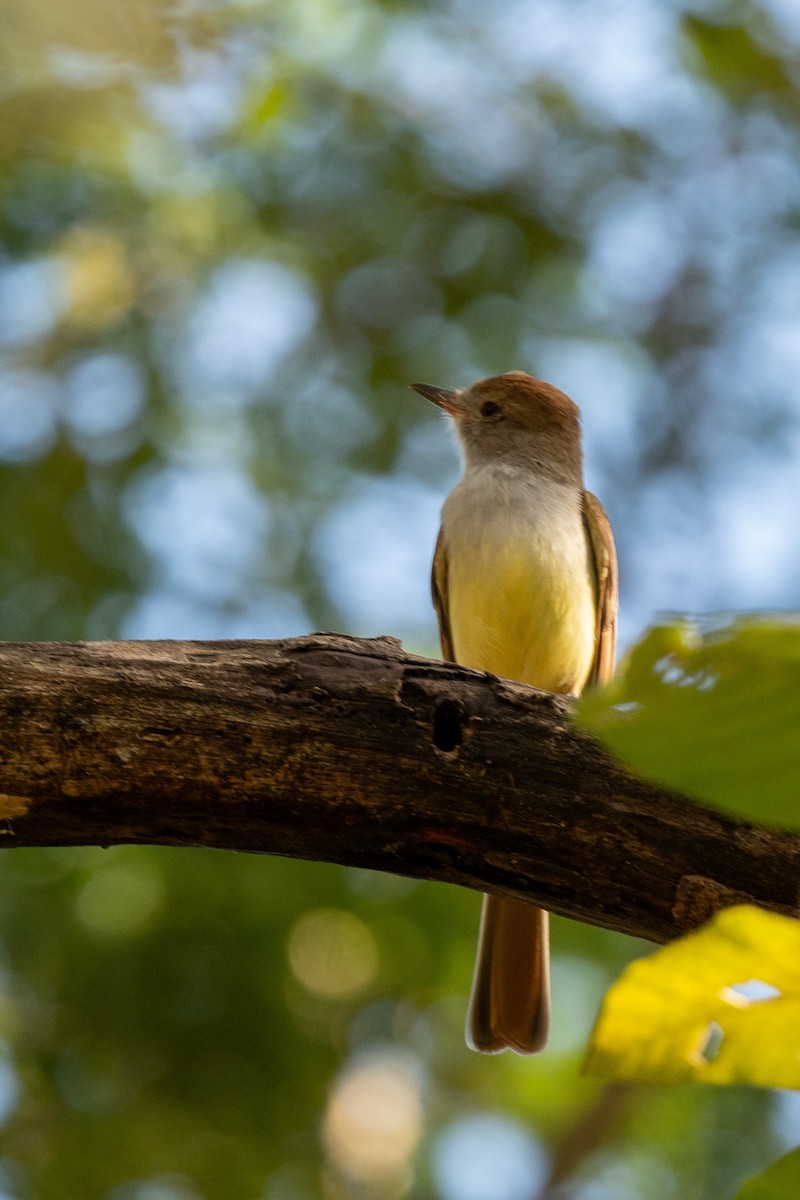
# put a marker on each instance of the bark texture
(352, 751)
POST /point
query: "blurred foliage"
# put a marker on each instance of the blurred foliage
(778, 1182)
(719, 1005)
(230, 234)
(734, 60)
(714, 715)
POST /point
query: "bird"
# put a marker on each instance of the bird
(525, 586)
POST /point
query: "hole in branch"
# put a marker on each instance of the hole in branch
(447, 726)
(711, 1044)
(752, 991)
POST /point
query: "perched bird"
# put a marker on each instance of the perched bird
(525, 586)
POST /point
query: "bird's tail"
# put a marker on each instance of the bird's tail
(510, 1002)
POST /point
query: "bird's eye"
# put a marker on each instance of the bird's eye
(490, 409)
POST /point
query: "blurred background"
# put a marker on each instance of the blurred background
(231, 233)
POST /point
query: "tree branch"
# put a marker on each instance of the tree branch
(354, 752)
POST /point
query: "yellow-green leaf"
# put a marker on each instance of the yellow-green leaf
(721, 1005)
(715, 715)
(781, 1181)
(734, 60)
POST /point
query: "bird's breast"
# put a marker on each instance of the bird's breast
(520, 588)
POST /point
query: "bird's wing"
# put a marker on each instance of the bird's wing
(439, 591)
(604, 558)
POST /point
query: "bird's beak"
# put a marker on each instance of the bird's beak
(450, 399)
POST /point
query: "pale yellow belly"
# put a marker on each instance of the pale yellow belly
(524, 614)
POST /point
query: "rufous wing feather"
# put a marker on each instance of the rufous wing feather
(603, 556)
(439, 592)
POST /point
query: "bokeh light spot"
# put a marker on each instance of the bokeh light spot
(251, 315)
(373, 1121)
(9, 1085)
(375, 546)
(96, 277)
(27, 414)
(488, 1157)
(30, 301)
(333, 954)
(104, 394)
(121, 900)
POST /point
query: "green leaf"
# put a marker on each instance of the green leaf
(734, 61)
(715, 716)
(721, 1005)
(781, 1181)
